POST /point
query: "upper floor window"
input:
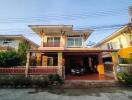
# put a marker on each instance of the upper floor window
(110, 46)
(7, 41)
(120, 43)
(130, 38)
(74, 42)
(53, 41)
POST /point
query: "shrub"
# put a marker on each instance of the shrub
(125, 77)
(50, 76)
(15, 81)
(36, 82)
(55, 78)
(28, 81)
(45, 82)
(5, 81)
(125, 60)
(40, 82)
(9, 59)
(22, 81)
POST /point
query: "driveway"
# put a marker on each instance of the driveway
(113, 93)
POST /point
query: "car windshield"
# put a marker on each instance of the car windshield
(76, 66)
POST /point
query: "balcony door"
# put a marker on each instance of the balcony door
(53, 41)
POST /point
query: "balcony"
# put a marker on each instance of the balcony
(52, 44)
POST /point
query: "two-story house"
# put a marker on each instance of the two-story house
(64, 48)
(120, 40)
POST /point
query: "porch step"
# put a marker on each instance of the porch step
(90, 83)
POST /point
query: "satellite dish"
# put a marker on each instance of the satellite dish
(90, 43)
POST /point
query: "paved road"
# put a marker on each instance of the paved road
(67, 94)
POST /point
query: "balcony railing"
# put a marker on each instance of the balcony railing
(52, 44)
(74, 46)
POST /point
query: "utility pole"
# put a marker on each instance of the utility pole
(130, 14)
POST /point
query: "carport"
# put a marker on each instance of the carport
(84, 56)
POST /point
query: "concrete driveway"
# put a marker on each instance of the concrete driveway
(114, 93)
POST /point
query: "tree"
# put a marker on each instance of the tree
(23, 47)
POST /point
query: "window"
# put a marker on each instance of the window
(120, 43)
(56, 39)
(70, 41)
(111, 46)
(53, 41)
(130, 38)
(74, 42)
(50, 40)
(78, 41)
(108, 45)
(7, 41)
(52, 61)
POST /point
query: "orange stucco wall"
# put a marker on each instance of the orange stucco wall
(125, 52)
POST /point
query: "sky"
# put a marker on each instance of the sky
(103, 16)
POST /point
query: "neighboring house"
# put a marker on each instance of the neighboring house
(120, 40)
(63, 47)
(11, 42)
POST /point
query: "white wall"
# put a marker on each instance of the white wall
(12, 43)
(116, 42)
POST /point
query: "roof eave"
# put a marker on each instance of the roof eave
(116, 33)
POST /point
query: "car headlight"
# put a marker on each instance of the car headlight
(72, 70)
(82, 69)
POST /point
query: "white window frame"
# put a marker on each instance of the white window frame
(74, 42)
(54, 39)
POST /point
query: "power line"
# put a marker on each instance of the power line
(95, 28)
(66, 16)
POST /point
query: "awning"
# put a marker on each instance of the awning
(51, 29)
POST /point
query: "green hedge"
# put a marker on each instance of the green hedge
(36, 81)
